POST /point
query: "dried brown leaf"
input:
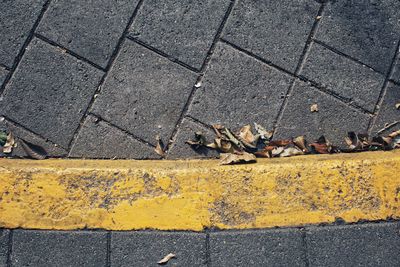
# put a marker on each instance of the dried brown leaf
(394, 134)
(263, 154)
(264, 134)
(290, 151)
(300, 142)
(159, 147)
(10, 144)
(246, 135)
(277, 151)
(320, 148)
(33, 151)
(397, 105)
(314, 108)
(166, 258)
(282, 142)
(231, 158)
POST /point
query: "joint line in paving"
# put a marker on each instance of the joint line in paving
(69, 52)
(161, 53)
(107, 70)
(208, 252)
(21, 53)
(262, 60)
(200, 77)
(17, 125)
(299, 65)
(305, 247)
(108, 252)
(384, 88)
(200, 123)
(9, 248)
(334, 50)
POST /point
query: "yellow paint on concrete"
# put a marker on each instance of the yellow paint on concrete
(192, 195)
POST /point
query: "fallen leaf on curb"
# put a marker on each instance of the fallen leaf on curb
(301, 143)
(291, 151)
(397, 105)
(246, 135)
(322, 146)
(394, 134)
(159, 147)
(33, 151)
(10, 144)
(166, 258)
(314, 108)
(264, 134)
(199, 140)
(230, 158)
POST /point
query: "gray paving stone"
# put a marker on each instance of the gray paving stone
(3, 75)
(97, 139)
(182, 30)
(89, 28)
(388, 114)
(343, 76)
(396, 73)
(257, 248)
(17, 18)
(4, 236)
(358, 245)
(144, 93)
(333, 119)
(50, 248)
(186, 132)
(147, 248)
(51, 149)
(49, 92)
(366, 30)
(238, 90)
(274, 30)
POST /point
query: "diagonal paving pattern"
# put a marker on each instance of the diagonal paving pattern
(143, 68)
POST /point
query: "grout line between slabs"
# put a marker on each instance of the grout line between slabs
(300, 65)
(305, 246)
(69, 52)
(108, 256)
(200, 77)
(10, 248)
(21, 53)
(159, 52)
(384, 88)
(107, 70)
(334, 50)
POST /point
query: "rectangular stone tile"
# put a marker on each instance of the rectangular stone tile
(147, 248)
(257, 248)
(89, 28)
(4, 237)
(238, 90)
(274, 30)
(388, 113)
(51, 248)
(343, 76)
(49, 92)
(97, 139)
(366, 30)
(3, 75)
(186, 132)
(182, 29)
(144, 93)
(354, 245)
(17, 18)
(333, 119)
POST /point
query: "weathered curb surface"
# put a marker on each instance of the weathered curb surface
(193, 195)
(369, 244)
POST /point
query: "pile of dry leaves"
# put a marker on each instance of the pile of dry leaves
(245, 146)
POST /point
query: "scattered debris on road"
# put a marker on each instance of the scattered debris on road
(160, 148)
(314, 108)
(166, 258)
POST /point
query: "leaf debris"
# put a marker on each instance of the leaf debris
(166, 258)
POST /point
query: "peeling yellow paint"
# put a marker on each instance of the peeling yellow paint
(192, 195)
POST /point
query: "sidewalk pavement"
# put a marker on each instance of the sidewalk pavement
(372, 244)
(100, 79)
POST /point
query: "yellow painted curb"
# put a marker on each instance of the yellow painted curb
(192, 195)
